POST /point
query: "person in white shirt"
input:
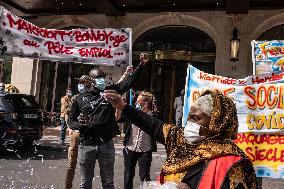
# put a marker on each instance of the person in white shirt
(178, 106)
(139, 145)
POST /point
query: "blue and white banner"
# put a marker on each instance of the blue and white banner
(260, 107)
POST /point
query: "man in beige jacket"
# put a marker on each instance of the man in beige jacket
(74, 140)
(65, 109)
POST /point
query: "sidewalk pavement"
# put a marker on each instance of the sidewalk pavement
(51, 135)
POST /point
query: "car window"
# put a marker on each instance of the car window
(22, 101)
(27, 102)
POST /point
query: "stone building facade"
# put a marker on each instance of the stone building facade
(26, 74)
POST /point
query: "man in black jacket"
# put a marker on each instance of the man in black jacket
(96, 118)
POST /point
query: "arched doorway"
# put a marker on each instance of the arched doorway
(171, 49)
(274, 33)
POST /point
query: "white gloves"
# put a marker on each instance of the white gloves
(157, 185)
(169, 185)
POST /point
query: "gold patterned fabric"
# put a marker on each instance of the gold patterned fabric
(223, 129)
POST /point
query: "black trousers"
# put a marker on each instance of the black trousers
(131, 158)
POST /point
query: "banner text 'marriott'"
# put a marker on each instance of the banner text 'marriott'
(231, 81)
(90, 35)
(220, 79)
(37, 31)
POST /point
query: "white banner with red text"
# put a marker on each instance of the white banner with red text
(107, 46)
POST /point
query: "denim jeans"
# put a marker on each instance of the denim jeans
(63, 129)
(87, 157)
(131, 158)
(72, 159)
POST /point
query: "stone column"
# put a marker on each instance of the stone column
(36, 79)
(26, 75)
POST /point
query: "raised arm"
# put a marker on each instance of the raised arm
(149, 124)
(128, 70)
(122, 86)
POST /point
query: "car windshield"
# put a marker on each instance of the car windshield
(22, 101)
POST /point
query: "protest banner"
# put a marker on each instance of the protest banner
(266, 151)
(268, 56)
(260, 103)
(108, 46)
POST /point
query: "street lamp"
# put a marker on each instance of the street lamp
(235, 44)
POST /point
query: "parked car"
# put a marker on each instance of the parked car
(21, 120)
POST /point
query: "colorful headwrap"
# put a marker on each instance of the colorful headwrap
(205, 103)
(223, 129)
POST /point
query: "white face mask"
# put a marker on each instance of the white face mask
(69, 93)
(191, 132)
(81, 88)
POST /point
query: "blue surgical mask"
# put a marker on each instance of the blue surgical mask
(100, 84)
(81, 88)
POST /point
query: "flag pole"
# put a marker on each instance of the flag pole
(130, 64)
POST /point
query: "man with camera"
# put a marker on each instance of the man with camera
(97, 125)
